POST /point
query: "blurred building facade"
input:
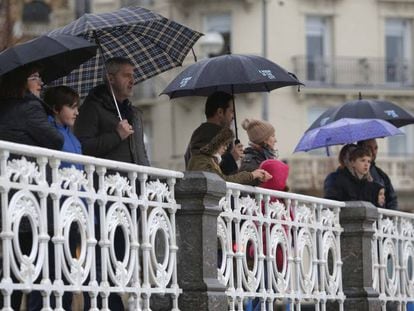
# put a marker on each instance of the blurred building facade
(338, 48)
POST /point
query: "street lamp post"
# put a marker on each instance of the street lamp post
(211, 43)
(265, 102)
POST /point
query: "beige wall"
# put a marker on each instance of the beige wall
(357, 31)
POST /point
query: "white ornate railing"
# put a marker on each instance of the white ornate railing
(130, 205)
(281, 251)
(393, 257)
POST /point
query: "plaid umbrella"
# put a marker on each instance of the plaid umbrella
(152, 42)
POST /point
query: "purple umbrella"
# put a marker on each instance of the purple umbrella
(346, 131)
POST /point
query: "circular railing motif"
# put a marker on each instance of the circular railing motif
(161, 267)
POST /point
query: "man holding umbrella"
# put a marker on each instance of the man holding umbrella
(103, 134)
(219, 113)
(379, 176)
(98, 127)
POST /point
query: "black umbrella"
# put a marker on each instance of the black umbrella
(55, 55)
(365, 109)
(152, 42)
(233, 74)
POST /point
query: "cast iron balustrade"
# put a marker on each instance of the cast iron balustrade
(235, 243)
(132, 202)
(284, 250)
(393, 257)
(368, 72)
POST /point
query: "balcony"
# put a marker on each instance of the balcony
(354, 72)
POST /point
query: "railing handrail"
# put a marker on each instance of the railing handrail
(388, 212)
(83, 159)
(285, 195)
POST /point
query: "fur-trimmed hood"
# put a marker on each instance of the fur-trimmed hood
(223, 137)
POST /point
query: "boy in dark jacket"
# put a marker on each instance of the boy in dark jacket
(354, 183)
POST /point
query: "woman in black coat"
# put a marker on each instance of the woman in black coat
(23, 118)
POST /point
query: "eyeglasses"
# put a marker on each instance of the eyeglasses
(35, 78)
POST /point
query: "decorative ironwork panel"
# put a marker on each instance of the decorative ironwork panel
(106, 229)
(278, 248)
(393, 257)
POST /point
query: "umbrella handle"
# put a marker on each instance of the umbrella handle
(107, 75)
(235, 119)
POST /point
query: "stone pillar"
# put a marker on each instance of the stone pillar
(199, 194)
(357, 219)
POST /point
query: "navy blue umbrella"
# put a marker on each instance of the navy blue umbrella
(233, 74)
(365, 109)
(55, 55)
(346, 131)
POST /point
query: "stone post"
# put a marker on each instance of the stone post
(357, 219)
(199, 194)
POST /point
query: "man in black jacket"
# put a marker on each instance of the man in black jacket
(98, 127)
(379, 176)
(219, 113)
(103, 134)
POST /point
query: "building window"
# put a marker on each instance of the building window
(398, 50)
(318, 44)
(219, 23)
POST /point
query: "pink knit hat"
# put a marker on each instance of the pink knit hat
(258, 131)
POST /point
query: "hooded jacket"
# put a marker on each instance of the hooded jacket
(207, 161)
(96, 128)
(202, 136)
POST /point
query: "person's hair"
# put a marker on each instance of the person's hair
(114, 64)
(343, 156)
(360, 152)
(59, 96)
(215, 101)
(14, 83)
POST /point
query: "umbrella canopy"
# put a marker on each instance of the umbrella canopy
(56, 55)
(152, 42)
(233, 74)
(365, 109)
(346, 131)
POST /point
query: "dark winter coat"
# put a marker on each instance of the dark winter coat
(96, 129)
(24, 121)
(347, 187)
(382, 178)
(201, 137)
(253, 157)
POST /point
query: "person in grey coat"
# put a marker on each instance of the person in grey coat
(98, 127)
